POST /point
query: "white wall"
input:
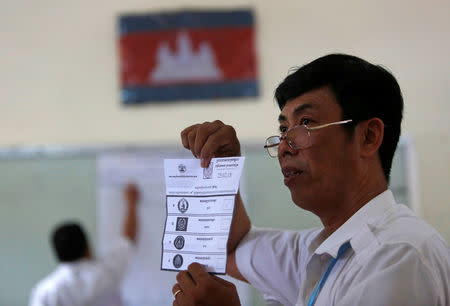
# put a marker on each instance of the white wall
(59, 81)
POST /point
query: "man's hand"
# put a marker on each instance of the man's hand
(211, 139)
(198, 287)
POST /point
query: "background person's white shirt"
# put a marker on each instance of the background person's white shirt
(82, 282)
(395, 259)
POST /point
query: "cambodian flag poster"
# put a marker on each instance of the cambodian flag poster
(187, 55)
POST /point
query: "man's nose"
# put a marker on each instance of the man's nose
(284, 148)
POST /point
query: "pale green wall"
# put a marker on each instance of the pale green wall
(35, 195)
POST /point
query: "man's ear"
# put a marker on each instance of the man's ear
(372, 132)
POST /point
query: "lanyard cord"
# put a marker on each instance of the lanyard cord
(319, 286)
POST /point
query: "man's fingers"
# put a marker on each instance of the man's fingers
(185, 281)
(198, 287)
(203, 133)
(222, 281)
(180, 298)
(222, 143)
(209, 140)
(175, 288)
(185, 133)
(195, 136)
(191, 139)
(197, 272)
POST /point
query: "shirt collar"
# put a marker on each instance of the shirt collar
(357, 224)
(72, 264)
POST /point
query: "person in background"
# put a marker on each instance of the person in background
(80, 278)
(339, 127)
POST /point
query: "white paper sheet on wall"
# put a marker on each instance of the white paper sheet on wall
(144, 283)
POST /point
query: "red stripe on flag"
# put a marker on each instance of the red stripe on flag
(233, 51)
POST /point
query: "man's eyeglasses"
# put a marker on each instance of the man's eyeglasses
(299, 137)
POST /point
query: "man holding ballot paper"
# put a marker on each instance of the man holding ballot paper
(339, 127)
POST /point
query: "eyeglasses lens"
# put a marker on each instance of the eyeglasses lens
(272, 143)
(297, 138)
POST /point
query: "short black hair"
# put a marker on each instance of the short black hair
(363, 91)
(69, 241)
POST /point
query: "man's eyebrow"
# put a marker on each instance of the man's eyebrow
(281, 118)
(300, 109)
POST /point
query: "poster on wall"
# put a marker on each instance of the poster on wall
(187, 55)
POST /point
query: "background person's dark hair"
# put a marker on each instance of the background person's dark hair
(363, 91)
(69, 242)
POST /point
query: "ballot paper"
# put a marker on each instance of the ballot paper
(199, 205)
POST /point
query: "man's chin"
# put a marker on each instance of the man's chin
(303, 201)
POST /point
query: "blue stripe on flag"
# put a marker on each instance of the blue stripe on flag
(134, 95)
(187, 19)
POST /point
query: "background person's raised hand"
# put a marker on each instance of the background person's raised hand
(211, 139)
(132, 196)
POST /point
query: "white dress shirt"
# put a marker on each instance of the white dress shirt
(395, 259)
(83, 282)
